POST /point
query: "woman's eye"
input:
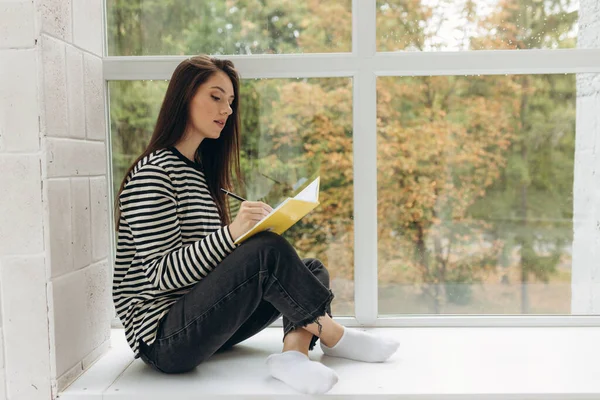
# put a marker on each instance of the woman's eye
(216, 98)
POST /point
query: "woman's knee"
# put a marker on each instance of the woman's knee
(266, 248)
(318, 269)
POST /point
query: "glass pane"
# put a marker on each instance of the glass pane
(475, 193)
(292, 130)
(186, 27)
(452, 25)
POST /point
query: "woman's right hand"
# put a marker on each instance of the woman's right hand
(249, 214)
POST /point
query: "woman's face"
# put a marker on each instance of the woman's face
(210, 107)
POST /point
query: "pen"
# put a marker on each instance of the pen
(235, 196)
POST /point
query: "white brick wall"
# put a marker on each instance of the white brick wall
(79, 293)
(68, 157)
(74, 166)
(94, 98)
(55, 18)
(60, 229)
(54, 118)
(54, 273)
(21, 220)
(87, 25)
(99, 203)
(586, 187)
(19, 123)
(17, 27)
(76, 107)
(26, 327)
(588, 24)
(21, 229)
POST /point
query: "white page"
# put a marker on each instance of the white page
(311, 192)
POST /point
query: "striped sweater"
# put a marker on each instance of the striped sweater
(170, 237)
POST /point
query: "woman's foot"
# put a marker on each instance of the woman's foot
(298, 371)
(362, 346)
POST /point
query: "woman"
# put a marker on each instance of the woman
(182, 288)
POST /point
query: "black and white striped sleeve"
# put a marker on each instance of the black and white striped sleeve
(149, 206)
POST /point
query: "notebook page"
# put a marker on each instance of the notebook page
(311, 192)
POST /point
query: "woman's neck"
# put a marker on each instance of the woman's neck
(188, 148)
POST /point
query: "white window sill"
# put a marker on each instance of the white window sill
(432, 363)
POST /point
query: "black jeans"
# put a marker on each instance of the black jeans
(259, 281)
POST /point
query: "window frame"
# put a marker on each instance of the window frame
(364, 65)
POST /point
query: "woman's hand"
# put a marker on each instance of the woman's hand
(249, 214)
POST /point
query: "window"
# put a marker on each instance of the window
(292, 131)
(475, 194)
(451, 25)
(454, 138)
(180, 27)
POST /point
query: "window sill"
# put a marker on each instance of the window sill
(432, 363)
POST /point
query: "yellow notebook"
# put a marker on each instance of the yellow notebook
(290, 211)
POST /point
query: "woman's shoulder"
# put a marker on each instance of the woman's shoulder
(148, 175)
(153, 163)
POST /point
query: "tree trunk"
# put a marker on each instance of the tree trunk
(430, 288)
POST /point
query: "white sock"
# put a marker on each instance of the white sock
(299, 372)
(362, 346)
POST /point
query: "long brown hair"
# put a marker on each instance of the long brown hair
(220, 157)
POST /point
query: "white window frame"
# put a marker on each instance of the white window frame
(364, 64)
